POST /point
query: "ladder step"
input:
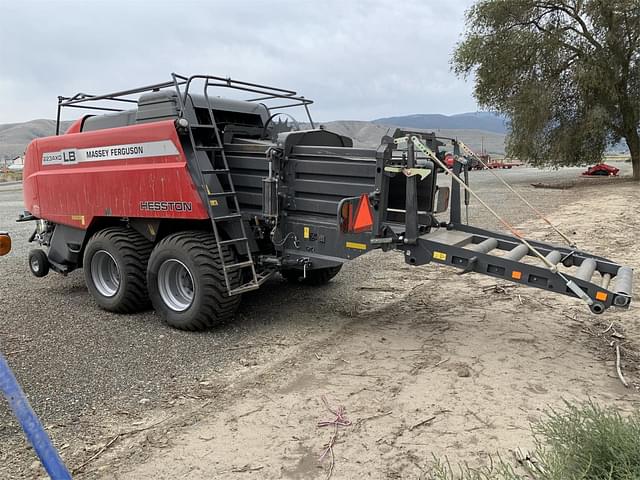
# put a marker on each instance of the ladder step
(244, 288)
(233, 240)
(236, 266)
(517, 253)
(586, 269)
(202, 125)
(224, 218)
(221, 194)
(216, 170)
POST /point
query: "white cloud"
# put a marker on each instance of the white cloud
(356, 59)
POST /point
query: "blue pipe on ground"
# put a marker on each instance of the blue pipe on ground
(31, 425)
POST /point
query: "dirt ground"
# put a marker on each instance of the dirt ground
(425, 363)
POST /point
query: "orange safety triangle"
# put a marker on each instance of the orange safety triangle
(364, 216)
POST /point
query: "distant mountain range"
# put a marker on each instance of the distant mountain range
(476, 129)
(487, 121)
(369, 134)
(14, 137)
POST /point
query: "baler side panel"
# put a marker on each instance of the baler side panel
(318, 179)
(149, 186)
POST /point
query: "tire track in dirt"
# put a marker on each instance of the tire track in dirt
(484, 364)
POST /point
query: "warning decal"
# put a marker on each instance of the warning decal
(110, 152)
(440, 255)
(363, 220)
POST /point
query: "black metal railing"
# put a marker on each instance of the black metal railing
(265, 94)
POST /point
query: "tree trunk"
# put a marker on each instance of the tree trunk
(633, 142)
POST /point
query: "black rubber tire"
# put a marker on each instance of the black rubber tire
(321, 276)
(198, 252)
(42, 261)
(130, 250)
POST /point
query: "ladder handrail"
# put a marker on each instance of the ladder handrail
(228, 190)
(234, 196)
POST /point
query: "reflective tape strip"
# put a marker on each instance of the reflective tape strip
(440, 256)
(72, 156)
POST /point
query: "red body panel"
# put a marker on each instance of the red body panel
(75, 193)
(76, 127)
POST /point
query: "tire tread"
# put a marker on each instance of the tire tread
(135, 250)
(217, 306)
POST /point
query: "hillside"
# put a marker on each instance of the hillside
(14, 137)
(487, 121)
(368, 134)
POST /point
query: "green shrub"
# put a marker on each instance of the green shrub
(588, 442)
(442, 470)
(581, 442)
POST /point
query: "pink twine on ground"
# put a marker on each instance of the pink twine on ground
(340, 412)
(339, 421)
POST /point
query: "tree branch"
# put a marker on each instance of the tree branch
(574, 14)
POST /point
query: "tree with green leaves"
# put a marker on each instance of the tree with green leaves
(566, 73)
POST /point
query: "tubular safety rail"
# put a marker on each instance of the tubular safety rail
(264, 93)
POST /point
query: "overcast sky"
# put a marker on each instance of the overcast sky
(358, 60)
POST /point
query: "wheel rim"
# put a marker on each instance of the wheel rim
(105, 273)
(35, 265)
(175, 285)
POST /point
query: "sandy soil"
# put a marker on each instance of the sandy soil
(424, 362)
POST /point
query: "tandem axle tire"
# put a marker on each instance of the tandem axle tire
(186, 282)
(38, 263)
(115, 262)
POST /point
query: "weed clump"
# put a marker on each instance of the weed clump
(580, 442)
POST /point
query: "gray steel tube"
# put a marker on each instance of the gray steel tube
(517, 253)
(586, 269)
(411, 200)
(624, 282)
(485, 246)
(554, 257)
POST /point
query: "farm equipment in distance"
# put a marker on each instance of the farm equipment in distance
(187, 200)
(504, 164)
(601, 170)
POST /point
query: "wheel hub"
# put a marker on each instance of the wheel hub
(35, 265)
(105, 273)
(175, 285)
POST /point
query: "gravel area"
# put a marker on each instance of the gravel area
(86, 370)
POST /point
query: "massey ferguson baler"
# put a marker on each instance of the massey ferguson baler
(186, 200)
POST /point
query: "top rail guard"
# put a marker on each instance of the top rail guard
(265, 93)
(268, 93)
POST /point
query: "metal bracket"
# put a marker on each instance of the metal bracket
(409, 172)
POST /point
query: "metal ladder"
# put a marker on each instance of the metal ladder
(221, 168)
